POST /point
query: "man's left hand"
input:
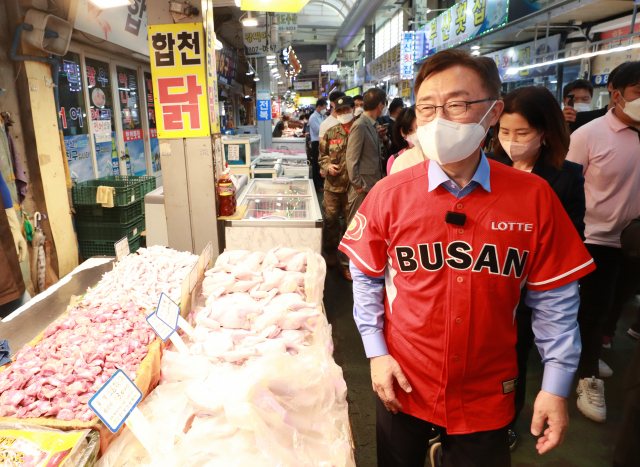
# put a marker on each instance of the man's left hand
(553, 410)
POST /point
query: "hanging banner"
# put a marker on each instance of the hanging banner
(257, 42)
(387, 64)
(287, 22)
(521, 8)
(226, 64)
(405, 88)
(407, 54)
(275, 108)
(525, 54)
(179, 80)
(212, 76)
(125, 26)
(462, 22)
(264, 105)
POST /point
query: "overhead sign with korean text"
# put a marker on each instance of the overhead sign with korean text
(179, 80)
(264, 105)
(407, 55)
(386, 64)
(125, 25)
(287, 22)
(602, 65)
(302, 85)
(526, 54)
(257, 41)
(212, 76)
(462, 22)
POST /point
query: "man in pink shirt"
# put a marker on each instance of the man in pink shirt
(609, 150)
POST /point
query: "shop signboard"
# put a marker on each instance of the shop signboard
(124, 26)
(287, 22)
(264, 105)
(406, 86)
(353, 92)
(275, 108)
(407, 55)
(302, 85)
(462, 22)
(521, 8)
(525, 54)
(154, 143)
(257, 41)
(179, 80)
(602, 65)
(226, 64)
(386, 64)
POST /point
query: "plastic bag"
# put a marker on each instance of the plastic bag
(34, 446)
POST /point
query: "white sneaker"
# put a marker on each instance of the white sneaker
(591, 399)
(604, 369)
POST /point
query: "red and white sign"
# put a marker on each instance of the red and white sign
(132, 135)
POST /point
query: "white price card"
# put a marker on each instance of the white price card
(193, 277)
(159, 327)
(168, 310)
(122, 248)
(115, 400)
(102, 130)
(207, 256)
(233, 153)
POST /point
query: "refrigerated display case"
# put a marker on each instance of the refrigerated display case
(279, 211)
(240, 151)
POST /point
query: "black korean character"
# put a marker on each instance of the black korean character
(161, 42)
(191, 41)
(137, 9)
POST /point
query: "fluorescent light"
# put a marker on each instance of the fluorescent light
(104, 4)
(514, 70)
(249, 21)
(238, 3)
(256, 79)
(271, 57)
(247, 96)
(217, 44)
(475, 47)
(249, 73)
(280, 82)
(475, 53)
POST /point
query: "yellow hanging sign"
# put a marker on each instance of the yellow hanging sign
(278, 6)
(178, 60)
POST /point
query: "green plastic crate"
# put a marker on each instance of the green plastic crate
(90, 248)
(115, 215)
(129, 189)
(112, 232)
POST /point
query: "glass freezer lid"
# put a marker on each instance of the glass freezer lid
(279, 209)
(276, 188)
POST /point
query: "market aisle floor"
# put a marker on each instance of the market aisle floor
(588, 444)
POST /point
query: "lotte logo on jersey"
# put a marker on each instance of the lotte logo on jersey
(356, 228)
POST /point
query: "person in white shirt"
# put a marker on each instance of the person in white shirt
(331, 120)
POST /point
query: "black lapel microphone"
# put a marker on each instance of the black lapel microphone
(455, 218)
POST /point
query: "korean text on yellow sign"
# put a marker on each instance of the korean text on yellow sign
(178, 61)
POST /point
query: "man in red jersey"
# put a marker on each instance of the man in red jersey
(454, 238)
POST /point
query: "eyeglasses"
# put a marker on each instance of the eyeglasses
(453, 109)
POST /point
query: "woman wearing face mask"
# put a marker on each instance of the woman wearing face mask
(531, 136)
(404, 132)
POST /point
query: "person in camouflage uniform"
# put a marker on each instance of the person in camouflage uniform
(333, 166)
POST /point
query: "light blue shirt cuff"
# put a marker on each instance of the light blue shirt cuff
(374, 344)
(557, 381)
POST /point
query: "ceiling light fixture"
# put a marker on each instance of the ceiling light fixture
(256, 79)
(514, 70)
(217, 44)
(104, 4)
(249, 21)
(475, 47)
(239, 3)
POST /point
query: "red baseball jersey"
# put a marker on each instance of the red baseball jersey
(452, 291)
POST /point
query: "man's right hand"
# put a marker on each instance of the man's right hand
(569, 113)
(383, 370)
(359, 190)
(334, 170)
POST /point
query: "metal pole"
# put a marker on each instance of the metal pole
(633, 18)
(535, 39)
(548, 24)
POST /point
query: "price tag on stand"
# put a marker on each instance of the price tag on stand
(193, 278)
(116, 403)
(122, 248)
(233, 152)
(165, 332)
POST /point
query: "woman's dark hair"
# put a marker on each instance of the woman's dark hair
(540, 109)
(403, 124)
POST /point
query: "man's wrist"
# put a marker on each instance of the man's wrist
(557, 381)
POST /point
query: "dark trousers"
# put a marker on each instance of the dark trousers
(603, 294)
(627, 452)
(403, 441)
(523, 347)
(318, 181)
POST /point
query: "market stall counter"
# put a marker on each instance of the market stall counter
(291, 143)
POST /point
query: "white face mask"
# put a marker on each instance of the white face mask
(323, 112)
(632, 109)
(385, 111)
(413, 139)
(446, 142)
(345, 118)
(521, 151)
(581, 107)
(358, 111)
